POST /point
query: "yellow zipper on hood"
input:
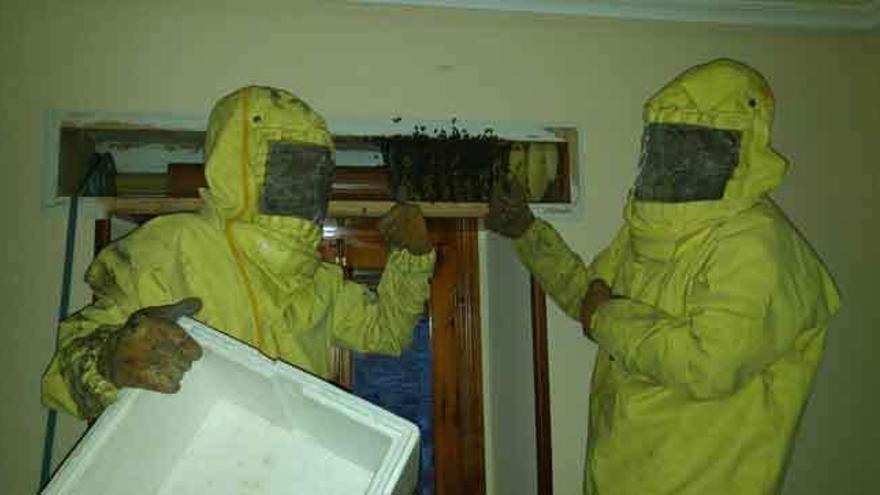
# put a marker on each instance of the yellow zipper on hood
(236, 252)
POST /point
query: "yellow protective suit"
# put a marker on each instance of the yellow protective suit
(260, 277)
(708, 356)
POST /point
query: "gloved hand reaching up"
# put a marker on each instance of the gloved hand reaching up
(404, 227)
(509, 213)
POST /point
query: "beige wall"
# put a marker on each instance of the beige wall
(354, 61)
(509, 398)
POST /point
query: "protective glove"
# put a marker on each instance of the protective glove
(404, 227)
(597, 294)
(509, 212)
(151, 351)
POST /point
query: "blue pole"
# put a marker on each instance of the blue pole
(64, 304)
(51, 417)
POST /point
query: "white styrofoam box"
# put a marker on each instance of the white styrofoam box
(242, 424)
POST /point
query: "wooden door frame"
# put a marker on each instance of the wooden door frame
(458, 371)
(541, 371)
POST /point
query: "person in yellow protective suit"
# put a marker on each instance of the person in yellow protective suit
(246, 263)
(708, 308)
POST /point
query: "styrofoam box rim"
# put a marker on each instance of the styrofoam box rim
(403, 433)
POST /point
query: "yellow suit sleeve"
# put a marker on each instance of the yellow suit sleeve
(383, 322)
(561, 272)
(72, 382)
(744, 311)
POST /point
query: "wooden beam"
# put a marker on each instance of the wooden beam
(148, 206)
(338, 209)
(343, 209)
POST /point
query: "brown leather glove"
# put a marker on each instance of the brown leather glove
(404, 227)
(509, 213)
(597, 294)
(151, 351)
